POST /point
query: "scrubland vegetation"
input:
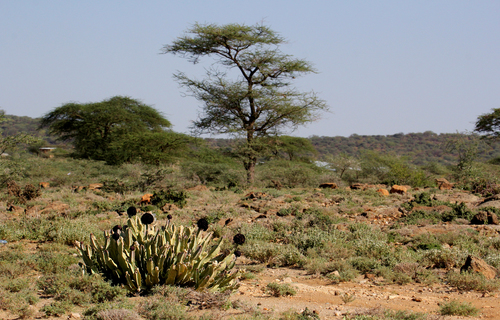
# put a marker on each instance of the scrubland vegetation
(334, 234)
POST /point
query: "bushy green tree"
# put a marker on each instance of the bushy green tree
(115, 130)
(488, 124)
(12, 141)
(259, 101)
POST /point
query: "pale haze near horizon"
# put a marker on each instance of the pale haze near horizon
(384, 67)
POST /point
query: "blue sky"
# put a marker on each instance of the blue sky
(384, 67)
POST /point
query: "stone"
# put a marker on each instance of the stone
(483, 217)
(146, 198)
(358, 186)
(443, 184)
(169, 207)
(328, 185)
(198, 188)
(95, 186)
(492, 218)
(478, 265)
(383, 192)
(44, 185)
(398, 189)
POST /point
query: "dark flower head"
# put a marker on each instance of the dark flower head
(132, 248)
(239, 239)
(115, 236)
(202, 224)
(237, 253)
(131, 211)
(169, 217)
(116, 228)
(147, 218)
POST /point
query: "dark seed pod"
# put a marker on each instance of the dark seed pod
(132, 248)
(239, 239)
(116, 228)
(131, 211)
(115, 236)
(169, 217)
(147, 218)
(237, 253)
(202, 224)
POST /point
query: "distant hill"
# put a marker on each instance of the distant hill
(419, 148)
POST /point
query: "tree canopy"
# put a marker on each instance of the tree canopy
(115, 130)
(256, 100)
(489, 124)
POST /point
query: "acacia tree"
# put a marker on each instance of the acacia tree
(488, 124)
(112, 130)
(259, 100)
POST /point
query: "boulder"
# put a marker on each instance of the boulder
(145, 199)
(44, 185)
(198, 188)
(398, 189)
(358, 186)
(484, 217)
(95, 186)
(443, 184)
(383, 192)
(328, 185)
(473, 264)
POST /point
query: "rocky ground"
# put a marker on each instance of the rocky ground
(367, 294)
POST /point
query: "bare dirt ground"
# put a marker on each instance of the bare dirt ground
(368, 296)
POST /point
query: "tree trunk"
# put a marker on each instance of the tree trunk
(250, 167)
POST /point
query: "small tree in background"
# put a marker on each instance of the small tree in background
(259, 101)
(116, 130)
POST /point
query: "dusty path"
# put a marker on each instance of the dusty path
(327, 299)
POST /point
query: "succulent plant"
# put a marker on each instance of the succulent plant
(202, 224)
(131, 211)
(239, 239)
(147, 218)
(146, 255)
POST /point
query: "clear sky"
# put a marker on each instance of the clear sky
(384, 67)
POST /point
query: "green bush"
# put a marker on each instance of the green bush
(160, 198)
(280, 289)
(457, 308)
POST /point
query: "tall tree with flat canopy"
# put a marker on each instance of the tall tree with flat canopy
(253, 97)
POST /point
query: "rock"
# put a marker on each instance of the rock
(271, 211)
(492, 218)
(469, 199)
(146, 198)
(358, 186)
(13, 208)
(77, 188)
(443, 184)
(484, 217)
(480, 266)
(95, 186)
(328, 185)
(169, 207)
(490, 204)
(383, 192)
(198, 188)
(398, 189)
(44, 185)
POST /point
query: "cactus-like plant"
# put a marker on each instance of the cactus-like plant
(143, 255)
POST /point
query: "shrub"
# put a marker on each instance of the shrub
(142, 256)
(472, 281)
(280, 289)
(457, 308)
(160, 198)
